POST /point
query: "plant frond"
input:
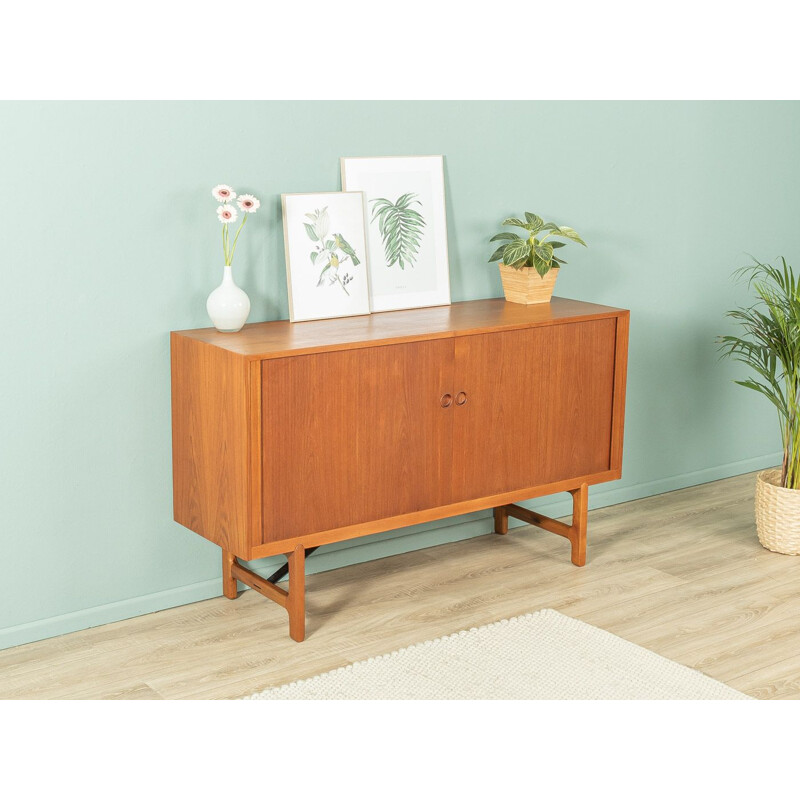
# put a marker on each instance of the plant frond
(401, 228)
(770, 347)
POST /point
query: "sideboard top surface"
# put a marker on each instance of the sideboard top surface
(282, 338)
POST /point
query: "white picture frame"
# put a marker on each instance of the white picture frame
(406, 194)
(326, 255)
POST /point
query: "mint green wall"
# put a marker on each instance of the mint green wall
(109, 241)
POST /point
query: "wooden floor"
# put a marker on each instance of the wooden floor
(681, 574)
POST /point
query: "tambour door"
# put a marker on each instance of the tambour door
(533, 406)
(355, 436)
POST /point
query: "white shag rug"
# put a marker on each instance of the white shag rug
(540, 656)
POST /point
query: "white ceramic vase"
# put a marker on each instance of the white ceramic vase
(228, 305)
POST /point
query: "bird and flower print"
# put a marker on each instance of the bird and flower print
(326, 254)
(330, 254)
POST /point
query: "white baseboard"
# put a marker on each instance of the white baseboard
(359, 550)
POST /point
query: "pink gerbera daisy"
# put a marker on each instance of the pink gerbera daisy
(226, 214)
(248, 203)
(223, 193)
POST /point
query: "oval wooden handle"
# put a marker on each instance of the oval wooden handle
(461, 398)
(446, 400)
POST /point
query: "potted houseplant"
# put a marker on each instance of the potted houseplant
(528, 264)
(770, 346)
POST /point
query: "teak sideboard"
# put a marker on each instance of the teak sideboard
(288, 436)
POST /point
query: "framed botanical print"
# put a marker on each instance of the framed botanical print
(326, 255)
(406, 229)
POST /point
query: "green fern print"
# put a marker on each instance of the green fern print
(401, 228)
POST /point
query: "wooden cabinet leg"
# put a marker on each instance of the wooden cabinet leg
(229, 588)
(296, 605)
(580, 513)
(501, 520)
(294, 601)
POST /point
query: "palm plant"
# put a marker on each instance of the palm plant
(401, 228)
(529, 251)
(770, 346)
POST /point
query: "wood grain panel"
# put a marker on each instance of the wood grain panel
(254, 439)
(355, 436)
(282, 338)
(538, 407)
(209, 443)
(426, 515)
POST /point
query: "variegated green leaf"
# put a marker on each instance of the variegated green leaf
(515, 252)
(542, 267)
(535, 223)
(505, 235)
(569, 233)
(515, 221)
(498, 254)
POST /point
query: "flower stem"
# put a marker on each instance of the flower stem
(236, 238)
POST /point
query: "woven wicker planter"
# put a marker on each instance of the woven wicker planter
(777, 514)
(526, 285)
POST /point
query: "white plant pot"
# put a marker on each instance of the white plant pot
(228, 305)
